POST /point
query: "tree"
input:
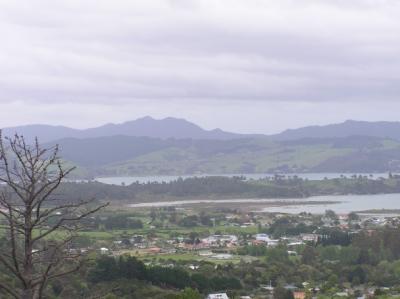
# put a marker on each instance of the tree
(282, 293)
(189, 293)
(309, 255)
(353, 217)
(330, 214)
(39, 224)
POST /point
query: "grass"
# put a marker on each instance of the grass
(270, 155)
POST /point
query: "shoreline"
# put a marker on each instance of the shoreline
(342, 204)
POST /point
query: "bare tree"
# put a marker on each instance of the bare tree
(38, 225)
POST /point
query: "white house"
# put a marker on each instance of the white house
(218, 296)
(220, 239)
(263, 237)
(104, 250)
(222, 256)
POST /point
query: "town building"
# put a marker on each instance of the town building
(218, 296)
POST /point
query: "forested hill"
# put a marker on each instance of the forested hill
(128, 155)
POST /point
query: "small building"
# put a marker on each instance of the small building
(273, 243)
(310, 237)
(104, 250)
(290, 287)
(299, 295)
(263, 238)
(194, 267)
(222, 256)
(220, 240)
(217, 296)
(269, 288)
(154, 250)
(205, 253)
(295, 244)
(341, 294)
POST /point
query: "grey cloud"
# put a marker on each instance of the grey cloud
(122, 51)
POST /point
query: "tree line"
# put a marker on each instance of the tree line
(109, 268)
(276, 187)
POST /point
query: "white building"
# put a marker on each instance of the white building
(263, 237)
(104, 250)
(220, 239)
(205, 253)
(222, 256)
(309, 237)
(218, 296)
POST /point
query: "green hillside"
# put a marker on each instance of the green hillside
(124, 155)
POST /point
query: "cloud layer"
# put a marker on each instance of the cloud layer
(93, 53)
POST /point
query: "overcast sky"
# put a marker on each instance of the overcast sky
(245, 66)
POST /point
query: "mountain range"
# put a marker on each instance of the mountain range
(177, 147)
(143, 127)
(182, 129)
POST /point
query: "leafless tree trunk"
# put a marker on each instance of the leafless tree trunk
(38, 225)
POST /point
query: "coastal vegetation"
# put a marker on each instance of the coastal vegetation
(218, 187)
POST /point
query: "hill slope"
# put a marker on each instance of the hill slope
(126, 155)
(348, 128)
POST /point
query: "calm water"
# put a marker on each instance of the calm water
(341, 204)
(145, 179)
(346, 204)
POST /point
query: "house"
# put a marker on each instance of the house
(154, 250)
(218, 296)
(256, 242)
(295, 244)
(290, 287)
(222, 256)
(194, 267)
(205, 253)
(310, 237)
(247, 224)
(263, 238)
(104, 250)
(341, 294)
(216, 240)
(299, 295)
(137, 239)
(269, 288)
(168, 250)
(273, 243)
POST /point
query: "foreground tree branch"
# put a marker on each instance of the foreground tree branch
(38, 229)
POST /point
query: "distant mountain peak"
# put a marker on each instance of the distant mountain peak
(144, 118)
(147, 126)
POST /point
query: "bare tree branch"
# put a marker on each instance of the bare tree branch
(29, 176)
